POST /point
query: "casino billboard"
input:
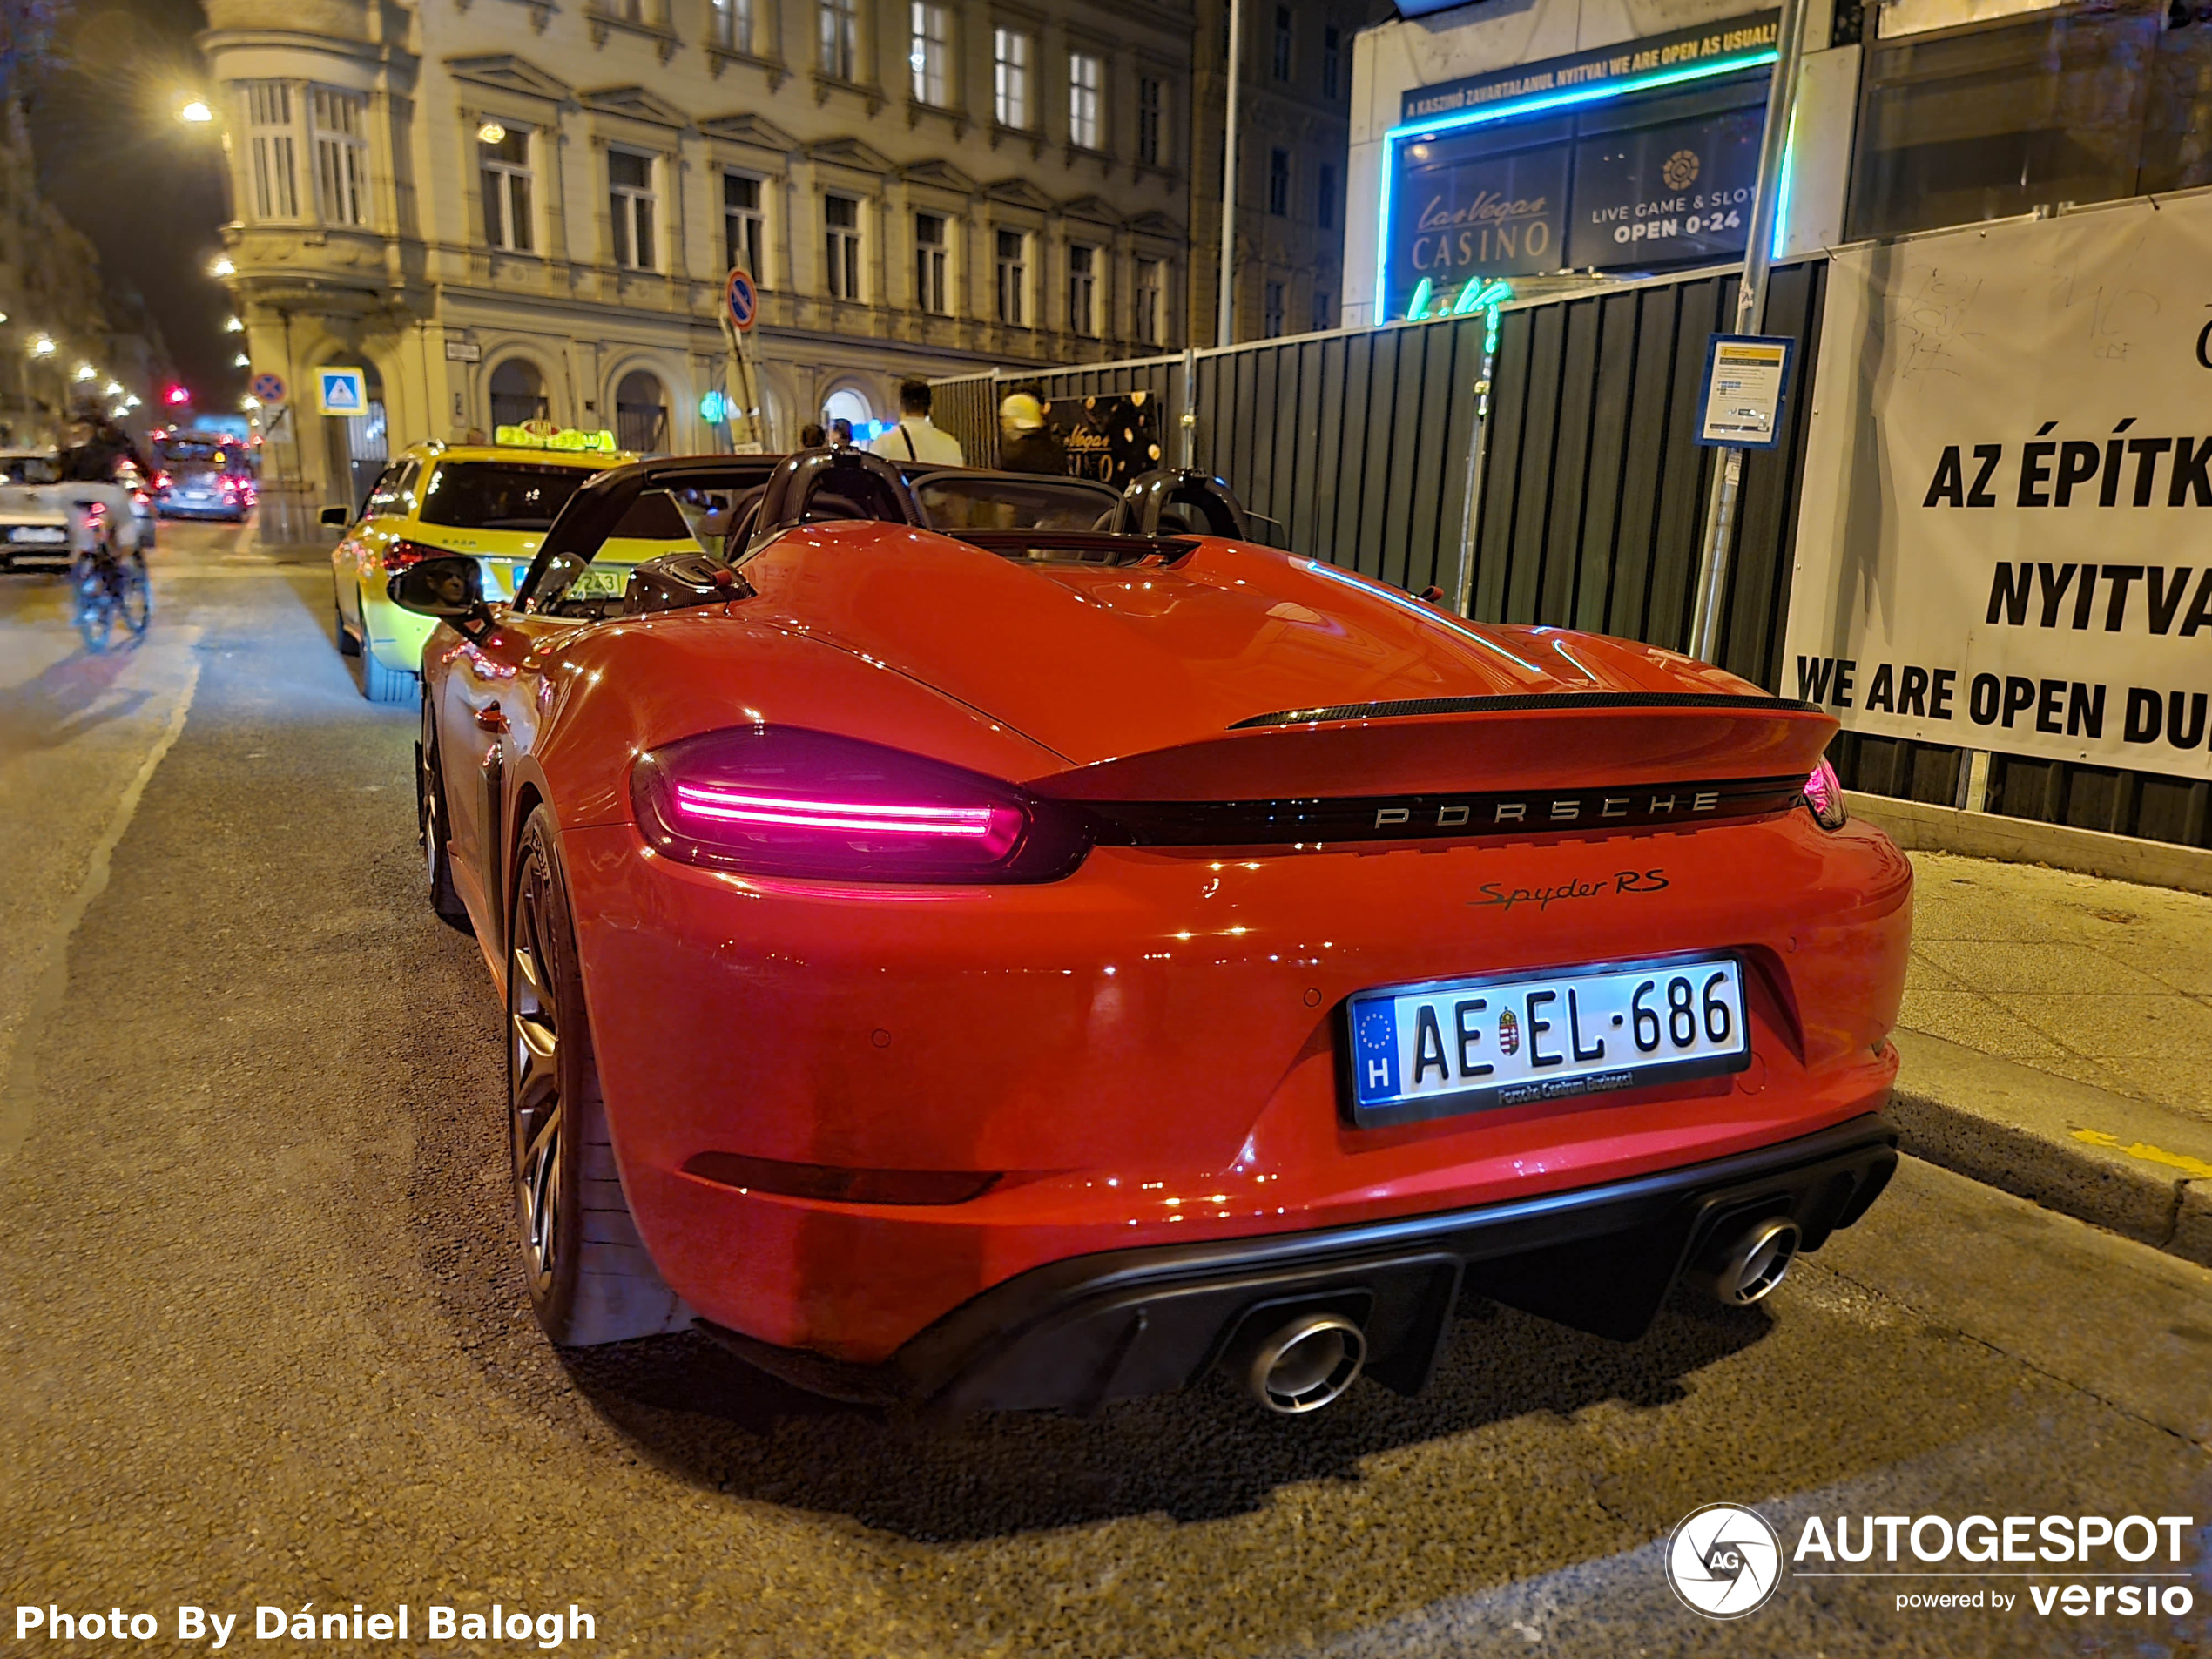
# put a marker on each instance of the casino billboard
(1641, 157)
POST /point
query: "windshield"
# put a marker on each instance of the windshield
(28, 470)
(499, 494)
(995, 501)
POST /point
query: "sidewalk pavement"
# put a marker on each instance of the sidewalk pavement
(2057, 1042)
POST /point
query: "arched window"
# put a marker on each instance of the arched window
(641, 414)
(356, 444)
(517, 393)
(845, 404)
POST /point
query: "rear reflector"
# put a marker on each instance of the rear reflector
(836, 1185)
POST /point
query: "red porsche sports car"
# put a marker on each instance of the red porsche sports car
(986, 941)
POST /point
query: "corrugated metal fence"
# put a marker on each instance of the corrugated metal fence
(1589, 491)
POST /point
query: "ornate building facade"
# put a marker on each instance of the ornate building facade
(509, 209)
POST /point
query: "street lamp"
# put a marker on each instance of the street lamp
(196, 112)
(221, 267)
(241, 361)
(86, 371)
(114, 388)
(233, 326)
(42, 347)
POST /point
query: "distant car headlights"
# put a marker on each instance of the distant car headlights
(1824, 797)
(781, 800)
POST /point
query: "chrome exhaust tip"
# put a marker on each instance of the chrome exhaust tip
(1747, 1268)
(1306, 1364)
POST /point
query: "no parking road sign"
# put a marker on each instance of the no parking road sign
(342, 391)
(270, 388)
(742, 299)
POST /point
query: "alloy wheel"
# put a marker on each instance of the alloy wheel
(534, 1079)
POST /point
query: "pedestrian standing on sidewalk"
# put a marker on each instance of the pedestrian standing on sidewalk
(916, 437)
(1026, 443)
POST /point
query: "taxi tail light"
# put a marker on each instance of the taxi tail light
(781, 800)
(1824, 797)
(400, 554)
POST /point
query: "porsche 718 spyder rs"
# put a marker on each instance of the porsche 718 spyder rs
(987, 941)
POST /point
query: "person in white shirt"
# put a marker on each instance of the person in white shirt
(915, 437)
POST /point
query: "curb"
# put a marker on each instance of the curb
(1917, 827)
(2140, 1170)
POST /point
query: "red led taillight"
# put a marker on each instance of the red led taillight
(400, 554)
(1825, 797)
(777, 800)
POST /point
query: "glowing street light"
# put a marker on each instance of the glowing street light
(221, 267)
(196, 112)
(42, 347)
(233, 326)
(114, 388)
(241, 361)
(86, 371)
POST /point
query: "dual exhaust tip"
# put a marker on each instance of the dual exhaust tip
(1310, 1360)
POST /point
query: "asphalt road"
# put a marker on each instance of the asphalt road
(263, 1342)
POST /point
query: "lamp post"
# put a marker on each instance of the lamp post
(1222, 334)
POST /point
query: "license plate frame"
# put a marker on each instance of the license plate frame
(1580, 1080)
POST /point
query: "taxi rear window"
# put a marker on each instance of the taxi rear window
(499, 494)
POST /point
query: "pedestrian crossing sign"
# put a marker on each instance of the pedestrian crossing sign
(342, 391)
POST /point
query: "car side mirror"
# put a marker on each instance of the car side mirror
(450, 589)
(336, 518)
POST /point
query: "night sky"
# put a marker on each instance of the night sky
(146, 188)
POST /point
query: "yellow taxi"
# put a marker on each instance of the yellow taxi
(494, 501)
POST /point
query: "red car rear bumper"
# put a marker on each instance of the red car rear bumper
(1145, 1053)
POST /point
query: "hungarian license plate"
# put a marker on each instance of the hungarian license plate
(1419, 1051)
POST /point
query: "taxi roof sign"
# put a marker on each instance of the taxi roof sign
(544, 435)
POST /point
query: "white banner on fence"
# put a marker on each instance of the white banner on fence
(2005, 539)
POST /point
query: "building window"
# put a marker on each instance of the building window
(630, 10)
(629, 207)
(1332, 62)
(930, 54)
(517, 393)
(1086, 77)
(1083, 290)
(733, 23)
(1014, 278)
(1151, 96)
(268, 124)
(1279, 183)
(1151, 302)
(1270, 324)
(641, 414)
(506, 170)
(840, 39)
(1325, 314)
(1010, 77)
(1282, 42)
(341, 122)
(744, 226)
(841, 223)
(932, 257)
(1325, 196)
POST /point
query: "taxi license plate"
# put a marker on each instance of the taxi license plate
(1420, 1051)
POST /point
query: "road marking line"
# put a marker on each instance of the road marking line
(18, 1087)
(2195, 1168)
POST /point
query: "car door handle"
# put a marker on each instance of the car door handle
(490, 719)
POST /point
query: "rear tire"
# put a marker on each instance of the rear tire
(590, 1280)
(382, 685)
(134, 601)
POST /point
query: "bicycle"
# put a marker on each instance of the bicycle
(108, 584)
